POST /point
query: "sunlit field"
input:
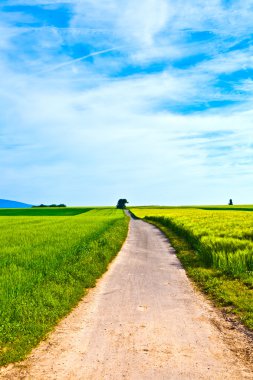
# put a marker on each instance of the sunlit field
(203, 207)
(44, 211)
(46, 264)
(221, 242)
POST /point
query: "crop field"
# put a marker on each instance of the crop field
(44, 211)
(228, 208)
(204, 207)
(46, 263)
(221, 242)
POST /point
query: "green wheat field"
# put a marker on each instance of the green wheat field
(46, 265)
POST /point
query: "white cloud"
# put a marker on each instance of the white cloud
(157, 28)
(228, 62)
(111, 136)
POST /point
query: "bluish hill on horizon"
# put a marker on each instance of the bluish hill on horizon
(5, 203)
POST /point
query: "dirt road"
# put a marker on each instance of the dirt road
(144, 320)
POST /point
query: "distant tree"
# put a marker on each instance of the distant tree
(52, 205)
(230, 203)
(121, 203)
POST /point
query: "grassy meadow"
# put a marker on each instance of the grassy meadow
(46, 263)
(216, 247)
(44, 211)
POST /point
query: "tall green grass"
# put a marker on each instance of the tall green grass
(45, 266)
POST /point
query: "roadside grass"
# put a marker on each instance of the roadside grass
(231, 288)
(44, 211)
(46, 265)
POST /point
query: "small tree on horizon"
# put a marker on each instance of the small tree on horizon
(121, 204)
(230, 203)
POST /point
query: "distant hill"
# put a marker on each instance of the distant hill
(4, 203)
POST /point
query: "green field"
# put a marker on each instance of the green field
(228, 208)
(216, 248)
(202, 207)
(45, 266)
(44, 211)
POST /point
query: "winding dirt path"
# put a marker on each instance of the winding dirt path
(144, 320)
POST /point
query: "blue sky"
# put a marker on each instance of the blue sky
(149, 101)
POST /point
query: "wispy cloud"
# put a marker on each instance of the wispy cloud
(61, 65)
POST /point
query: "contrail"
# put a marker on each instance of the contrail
(77, 60)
